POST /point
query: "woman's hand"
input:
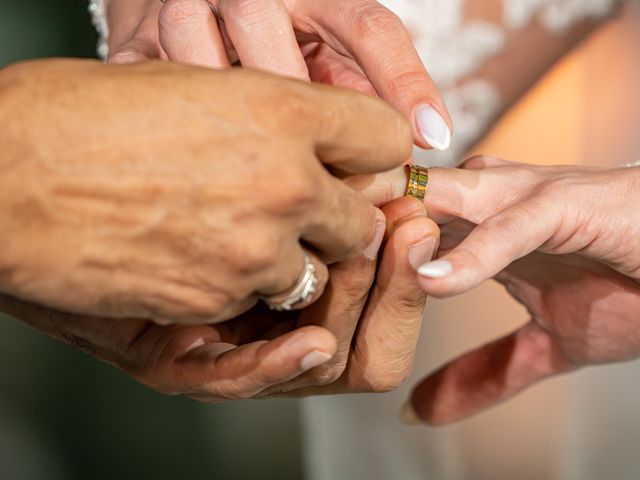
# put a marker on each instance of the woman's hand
(264, 353)
(519, 209)
(351, 43)
(179, 194)
(564, 242)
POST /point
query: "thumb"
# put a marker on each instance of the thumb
(485, 377)
(127, 55)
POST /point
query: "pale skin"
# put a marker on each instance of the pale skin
(130, 205)
(356, 44)
(564, 241)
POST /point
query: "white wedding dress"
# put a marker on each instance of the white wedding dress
(360, 437)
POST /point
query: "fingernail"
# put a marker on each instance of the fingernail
(313, 359)
(408, 415)
(422, 252)
(433, 128)
(371, 252)
(437, 269)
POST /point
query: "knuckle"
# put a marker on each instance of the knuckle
(507, 223)
(255, 254)
(372, 19)
(327, 374)
(478, 161)
(298, 190)
(409, 81)
(354, 288)
(388, 381)
(201, 307)
(180, 12)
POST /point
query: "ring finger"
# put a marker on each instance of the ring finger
(305, 282)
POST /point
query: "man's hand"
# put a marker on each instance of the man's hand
(179, 194)
(351, 43)
(263, 353)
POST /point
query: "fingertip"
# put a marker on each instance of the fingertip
(126, 56)
(309, 339)
(433, 127)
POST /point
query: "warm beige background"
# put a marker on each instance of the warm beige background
(586, 111)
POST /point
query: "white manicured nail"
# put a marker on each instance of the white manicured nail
(437, 269)
(408, 415)
(313, 359)
(433, 128)
(371, 252)
(422, 252)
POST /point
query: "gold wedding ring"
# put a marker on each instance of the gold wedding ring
(418, 181)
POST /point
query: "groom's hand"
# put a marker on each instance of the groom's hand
(178, 194)
(351, 43)
(263, 353)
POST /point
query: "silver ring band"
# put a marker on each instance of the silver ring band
(304, 291)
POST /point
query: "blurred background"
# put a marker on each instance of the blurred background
(65, 416)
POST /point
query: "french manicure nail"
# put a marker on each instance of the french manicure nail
(422, 252)
(433, 128)
(371, 252)
(313, 359)
(436, 269)
(408, 415)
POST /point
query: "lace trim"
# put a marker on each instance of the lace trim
(99, 20)
(556, 15)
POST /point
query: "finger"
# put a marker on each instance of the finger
(353, 133)
(340, 310)
(491, 247)
(475, 195)
(133, 35)
(245, 371)
(390, 326)
(479, 162)
(381, 188)
(189, 34)
(371, 32)
(486, 376)
(263, 37)
(292, 274)
(345, 225)
(329, 67)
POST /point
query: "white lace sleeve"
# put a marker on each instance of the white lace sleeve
(99, 20)
(455, 46)
(556, 15)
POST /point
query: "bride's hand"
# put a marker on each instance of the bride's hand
(564, 242)
(521, 208)
(179, 194)
(265, 353)
(351, 43)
